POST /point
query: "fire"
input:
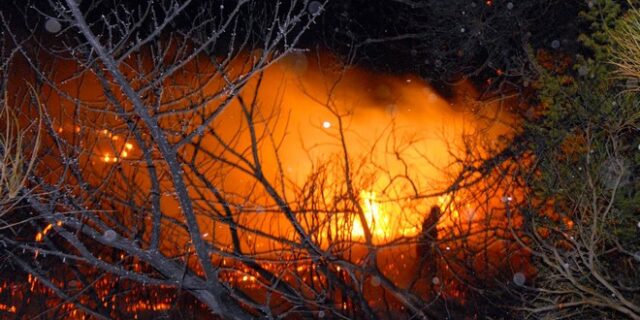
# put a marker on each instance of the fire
(379, 220)
(387, 208)
(376, 220)
(374, 103)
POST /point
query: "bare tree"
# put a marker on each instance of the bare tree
(126, 57)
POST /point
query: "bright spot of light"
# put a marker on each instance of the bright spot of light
(108, 158)
(326, 124)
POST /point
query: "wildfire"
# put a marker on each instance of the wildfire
(411, 103)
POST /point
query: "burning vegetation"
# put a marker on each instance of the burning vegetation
(289, 175)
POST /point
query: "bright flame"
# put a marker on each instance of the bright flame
(376, 219)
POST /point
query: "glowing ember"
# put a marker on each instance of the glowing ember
(6, 308)
(40, 235)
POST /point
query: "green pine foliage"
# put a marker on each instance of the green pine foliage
(586, 147)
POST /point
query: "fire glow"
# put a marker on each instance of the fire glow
(397, 129)
(403, 110)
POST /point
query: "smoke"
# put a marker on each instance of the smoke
(312, 117)
(381, 112)
(401, 137)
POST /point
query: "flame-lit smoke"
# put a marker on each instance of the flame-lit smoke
(392, 126)
(400, 136)
(398, 124)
